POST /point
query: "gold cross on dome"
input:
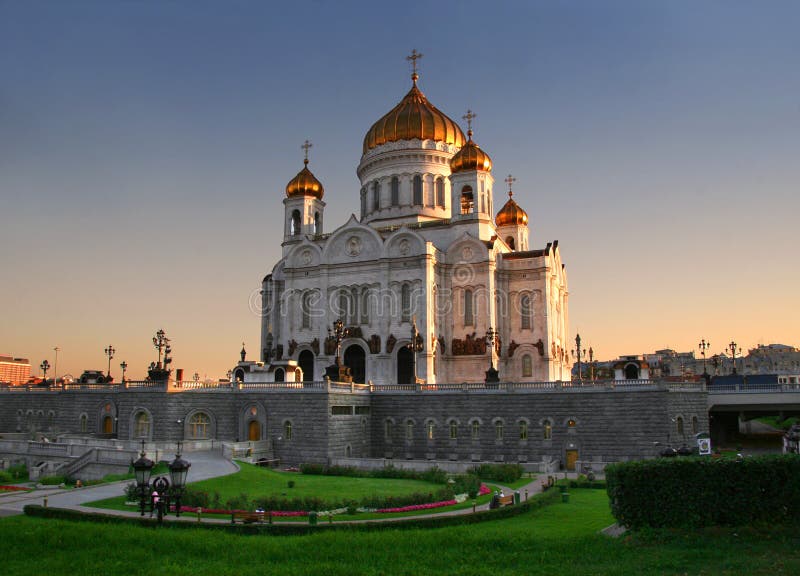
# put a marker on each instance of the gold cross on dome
(510, 181)
(306, 145)
(469, 117)
(413, 59)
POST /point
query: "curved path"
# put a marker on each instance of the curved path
(204, 465)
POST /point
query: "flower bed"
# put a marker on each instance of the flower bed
(13, 489)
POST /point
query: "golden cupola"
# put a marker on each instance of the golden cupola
(414, 118)
(511, 214)
(305, 184)
(470, 157)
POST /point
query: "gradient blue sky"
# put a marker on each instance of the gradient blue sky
(145, 147)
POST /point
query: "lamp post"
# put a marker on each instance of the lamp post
(703, 347)
(45, 366)
(55, 367)
(492, 375)
(165, 489)
(110, 353)
(124, 366)
(591, 364)
(577, 353)
(338, 333)
(734, 351)
(416, 345)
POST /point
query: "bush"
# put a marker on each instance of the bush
(498, 472)
(696, 492)
(52, 480)
(434, 474)
(131, 492)
(5, 477)
(18, 472)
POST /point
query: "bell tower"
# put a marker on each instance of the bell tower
(303, 205)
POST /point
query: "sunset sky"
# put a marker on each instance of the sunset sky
(145, 148)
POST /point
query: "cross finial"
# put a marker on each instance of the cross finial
(469, 117)
(413, 58)
(306, 145)
(510, 181)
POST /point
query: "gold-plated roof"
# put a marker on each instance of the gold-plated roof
(414, 118)
(470, 157)
(305, 184)
(511, 214)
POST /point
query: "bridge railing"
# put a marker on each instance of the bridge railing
(759, 388)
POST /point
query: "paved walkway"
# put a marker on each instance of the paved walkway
(204, 465)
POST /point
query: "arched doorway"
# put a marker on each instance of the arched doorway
(355, 359)
(280, 375)
(306, 362)
(405, 366)
(631, 372)
(254, 431)
(108, 425)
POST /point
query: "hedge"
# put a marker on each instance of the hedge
(697, 492)
(299, 528)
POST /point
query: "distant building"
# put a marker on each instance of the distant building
(14, 371)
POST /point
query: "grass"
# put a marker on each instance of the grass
(256, 482)
(559, 539)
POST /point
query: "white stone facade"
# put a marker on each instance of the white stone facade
(425, 250)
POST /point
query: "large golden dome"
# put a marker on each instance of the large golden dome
(305, 184)
(470, 157)
(511, 214)
(414, 118)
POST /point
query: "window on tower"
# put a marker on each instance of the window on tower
(467, 200)
(418, 190)
(440, 192)
(295, 226)
(525, 312)
(395, 191)
(376, 196)
(469, 317)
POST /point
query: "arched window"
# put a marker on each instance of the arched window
(280, 375)
(376, 196)
(571, 423)
(476, 429)
(483, 203)
(440, 192)
(417, 190)
(365, 307)
(694, 424)
(363, 202)
(405, 302)
(525, 312)
(453, 430)
(510, 242)
(395, 191)
(467, 201)
(523, 430)
(141, 425)
(287, 429)
(84, 422)
(430, 428)
(295, 230)
(547, 430)
(498, 430)
(410, 430)
(354, 302)
(343, 304)
(317, 223)
(199, 425)
(305, 310)
(469, 317)
(679, 425)
(527, 366)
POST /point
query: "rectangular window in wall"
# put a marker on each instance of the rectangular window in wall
(469, 318)
(523, 430)
(498, 431)
(453, 430)
(476, 430)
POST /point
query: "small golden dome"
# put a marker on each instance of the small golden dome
(305, 184)
(470, 157)
(414, 118)
(511, 214)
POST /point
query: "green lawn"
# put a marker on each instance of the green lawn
(256, 482)
(559, 539)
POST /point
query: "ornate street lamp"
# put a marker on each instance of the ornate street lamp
(734, 352)
(178, 471)
(338, 333)
(141, 470)
(55, 368)
(492, 375)
(124, 366)
(703, 347)
(416, 345)
(110, 353)
(591, 364)
(45, 366)
(577, 352)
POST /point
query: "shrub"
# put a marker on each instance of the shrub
(434, 474)
(498, 472)
(132, 492)
(52, 480)
(5, 477)
(696, 492)
(291, 483)
(18, 472)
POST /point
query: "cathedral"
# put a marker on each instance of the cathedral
(429, 283)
